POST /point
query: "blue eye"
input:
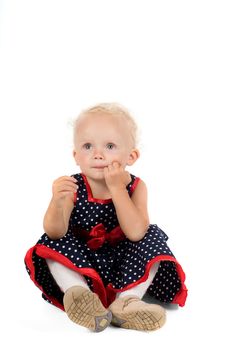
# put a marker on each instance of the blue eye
(110, 145)
(87, 145)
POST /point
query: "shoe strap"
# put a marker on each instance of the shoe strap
(130, 300)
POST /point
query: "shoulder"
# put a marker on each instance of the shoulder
(139, 198)
(136, 184)
(140, 187)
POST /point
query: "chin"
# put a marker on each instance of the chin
(95, 174)
(99, 175)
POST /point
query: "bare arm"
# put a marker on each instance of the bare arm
(131, 212)
(57, 216)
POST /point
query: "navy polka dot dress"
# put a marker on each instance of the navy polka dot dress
(95, 246)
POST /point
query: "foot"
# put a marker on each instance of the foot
(132, 313)
(85, 308)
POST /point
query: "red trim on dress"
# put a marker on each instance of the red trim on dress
(74, 198)
(30, 265)
(106, 294)
(98, 200)
(179, 298)
(133, 187)
(90, 195)
(48, 253)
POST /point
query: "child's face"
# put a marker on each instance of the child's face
(100, 140)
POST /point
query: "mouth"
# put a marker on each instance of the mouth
(98, 167)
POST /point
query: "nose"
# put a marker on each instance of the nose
(98, 155)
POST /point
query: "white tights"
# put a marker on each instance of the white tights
(141, 288)
(66, 278)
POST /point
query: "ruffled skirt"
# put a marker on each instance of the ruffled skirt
(109, 269)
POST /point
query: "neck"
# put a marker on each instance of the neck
(99, 188)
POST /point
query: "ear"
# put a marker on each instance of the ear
(75, 156)
(133, 156)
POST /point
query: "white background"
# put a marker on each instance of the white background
(169, 63)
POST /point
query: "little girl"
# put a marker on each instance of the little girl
(100, 254)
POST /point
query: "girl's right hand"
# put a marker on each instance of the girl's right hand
(64, 186)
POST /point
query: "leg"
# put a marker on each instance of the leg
(65, 277)
(80, 303)
(129, 311)
(141, 288)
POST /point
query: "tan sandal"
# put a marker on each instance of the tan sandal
(85, 308)
(132, 313)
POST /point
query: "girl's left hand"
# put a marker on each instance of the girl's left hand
(116, 177)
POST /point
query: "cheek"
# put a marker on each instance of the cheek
(80, 159)
(121, 158)
(83, 158)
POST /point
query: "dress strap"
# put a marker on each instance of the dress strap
(133, 184)
(80, 182)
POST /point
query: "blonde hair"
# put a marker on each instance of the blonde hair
(114, 109)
